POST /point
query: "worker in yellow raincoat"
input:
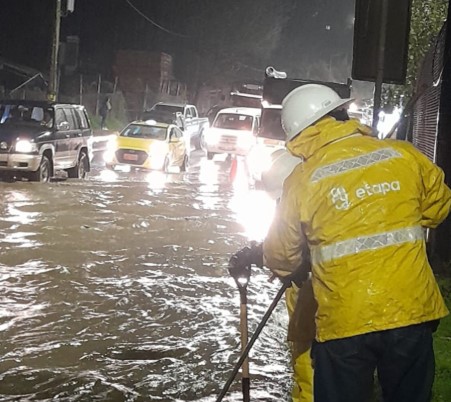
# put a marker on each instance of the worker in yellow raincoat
(361, 205)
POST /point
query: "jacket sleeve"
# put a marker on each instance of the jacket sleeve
(436, 196)
(285, 246)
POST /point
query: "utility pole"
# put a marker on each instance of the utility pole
(52, 93)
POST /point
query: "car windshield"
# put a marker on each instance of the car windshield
(162, 117)
(26, 114)
(168, 108)
(271, 126)
(145, 131)
(233, 121)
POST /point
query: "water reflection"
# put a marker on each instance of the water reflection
(17, 220)
(20, 239)
(108, 175)
(128, 297)
(209, 173)
(254, 209)
(15, 200)
(157, 181)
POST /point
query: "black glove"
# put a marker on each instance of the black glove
(241, 262)
(300, 275)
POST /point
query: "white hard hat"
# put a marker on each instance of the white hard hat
(305, 105)
(282, 165)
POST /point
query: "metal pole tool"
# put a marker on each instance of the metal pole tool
(245, 351)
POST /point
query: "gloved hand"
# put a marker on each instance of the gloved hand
(241, 262)
(298, 278)
(301, 275)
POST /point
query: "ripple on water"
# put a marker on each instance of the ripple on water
(116, 289)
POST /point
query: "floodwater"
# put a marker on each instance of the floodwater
(116, 288)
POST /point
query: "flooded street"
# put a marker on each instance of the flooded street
(117, 289)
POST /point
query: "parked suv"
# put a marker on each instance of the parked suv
(37, 138)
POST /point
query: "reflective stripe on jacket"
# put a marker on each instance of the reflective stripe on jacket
(361, 205)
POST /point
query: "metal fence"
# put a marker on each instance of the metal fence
(427, 106)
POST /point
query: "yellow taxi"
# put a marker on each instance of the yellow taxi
(148, 145)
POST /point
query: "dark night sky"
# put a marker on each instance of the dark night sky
(106, 25)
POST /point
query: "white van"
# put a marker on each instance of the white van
(233, 131)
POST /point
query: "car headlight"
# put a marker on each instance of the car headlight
(111, 146)
(26, 146)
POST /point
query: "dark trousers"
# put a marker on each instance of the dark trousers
(103, 122)
(403, 358)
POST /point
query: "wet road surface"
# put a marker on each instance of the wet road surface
(116, 288)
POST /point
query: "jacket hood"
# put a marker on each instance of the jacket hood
(324, 132)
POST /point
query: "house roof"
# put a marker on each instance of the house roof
(20, 69)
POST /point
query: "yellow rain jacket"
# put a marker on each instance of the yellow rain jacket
(361, 204)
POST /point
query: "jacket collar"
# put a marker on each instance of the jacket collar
(324, 132)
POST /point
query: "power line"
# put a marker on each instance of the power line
(153, 22)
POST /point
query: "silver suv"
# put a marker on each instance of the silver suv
(37, 138)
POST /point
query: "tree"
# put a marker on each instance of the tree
(426, 21)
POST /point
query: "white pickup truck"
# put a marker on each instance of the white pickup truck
(193, 126)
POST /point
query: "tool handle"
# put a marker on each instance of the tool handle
(254, 337)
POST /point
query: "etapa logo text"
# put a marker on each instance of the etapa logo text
(341, 198)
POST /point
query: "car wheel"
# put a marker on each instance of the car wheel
(44, 172)
(166, 165)
(80, 170)
(210, 155)
(185, 164)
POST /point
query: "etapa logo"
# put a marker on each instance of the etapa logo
(340, 198)
(368, 190)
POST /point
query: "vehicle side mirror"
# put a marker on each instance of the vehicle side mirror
(64, 125)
